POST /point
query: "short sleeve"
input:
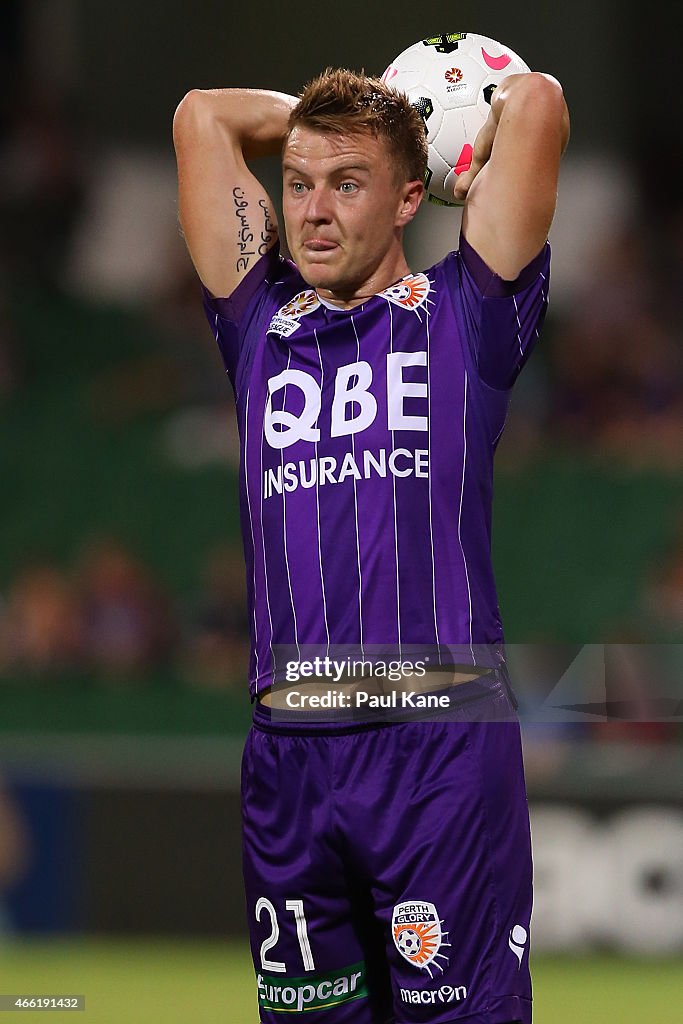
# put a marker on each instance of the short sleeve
(503, 318)
(230, 317)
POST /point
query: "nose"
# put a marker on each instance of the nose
(318, 207)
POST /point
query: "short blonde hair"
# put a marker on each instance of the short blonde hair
(344, 102)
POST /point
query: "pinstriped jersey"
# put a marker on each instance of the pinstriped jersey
(367, 442)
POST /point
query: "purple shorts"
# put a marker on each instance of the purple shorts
(388, 867)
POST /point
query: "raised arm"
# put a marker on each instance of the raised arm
(511, 187)
(226, 215)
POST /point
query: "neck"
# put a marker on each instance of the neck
(355, 295)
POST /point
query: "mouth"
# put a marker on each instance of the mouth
(319, 245)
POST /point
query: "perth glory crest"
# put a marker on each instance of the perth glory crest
(416, 928)
(410, 293)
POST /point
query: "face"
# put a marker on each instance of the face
(344, 212)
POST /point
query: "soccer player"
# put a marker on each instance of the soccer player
(387, 860)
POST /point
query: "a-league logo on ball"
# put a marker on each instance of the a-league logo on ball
(418, 935)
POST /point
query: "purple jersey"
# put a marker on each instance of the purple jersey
(367, 443)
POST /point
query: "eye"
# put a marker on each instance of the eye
(348, 187)
(298, 188)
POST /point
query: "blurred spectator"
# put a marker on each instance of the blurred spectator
(617, 366)
(9, 372)
(41, 184)
(127, 623)
(14, 851)
(663, 592)
(41, 629)
(217, 652)
(175, 314)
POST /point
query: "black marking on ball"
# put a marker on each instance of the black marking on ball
(447, 42)
(488, 93)
(424, 107)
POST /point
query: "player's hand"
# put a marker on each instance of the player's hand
(483, 144)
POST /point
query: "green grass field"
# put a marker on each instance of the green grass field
(212, 983)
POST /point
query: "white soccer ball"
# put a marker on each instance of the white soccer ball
(408, 942)
(450, 79)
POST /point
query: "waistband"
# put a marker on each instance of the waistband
(449, 704)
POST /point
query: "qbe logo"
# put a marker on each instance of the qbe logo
(354, 406)
(429, 997)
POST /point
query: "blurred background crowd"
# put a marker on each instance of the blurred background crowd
(108, 620)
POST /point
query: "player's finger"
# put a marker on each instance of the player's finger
(462, 184)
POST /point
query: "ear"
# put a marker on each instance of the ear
(411, 197)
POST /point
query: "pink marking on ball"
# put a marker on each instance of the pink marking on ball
(464, 161)
(496, 63)
(390, 73)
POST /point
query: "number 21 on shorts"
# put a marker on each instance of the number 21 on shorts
(297, 908)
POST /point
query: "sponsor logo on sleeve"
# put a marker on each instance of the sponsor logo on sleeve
(287, 318)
